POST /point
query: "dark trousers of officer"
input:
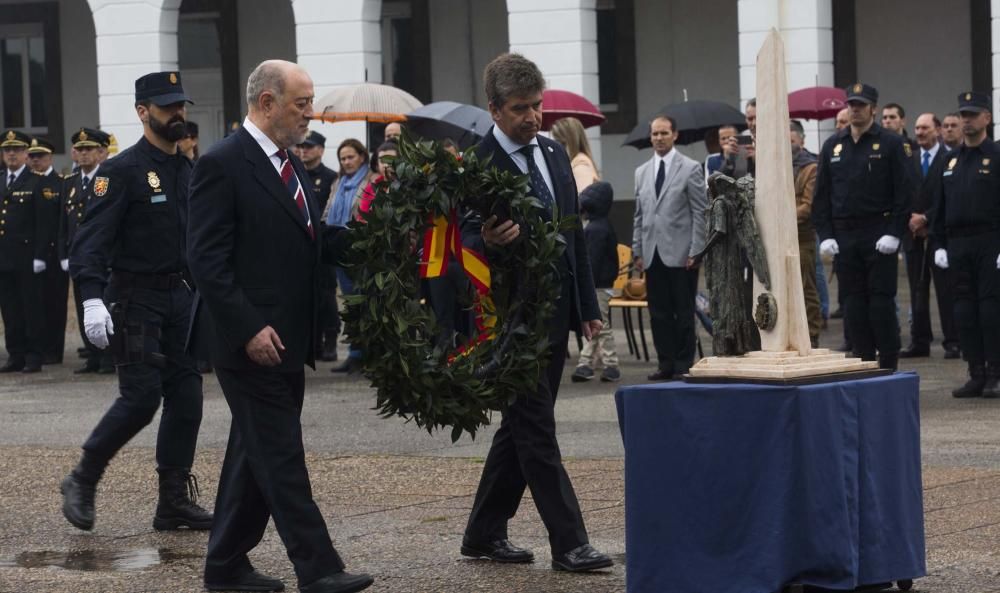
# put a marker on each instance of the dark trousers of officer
(972, 261)
(55, 295)
(920, 270)
(869, 281)
(21, 308)
(142, 385)
(95, 356)
(670, 293)
(841, 297)
(525, 453)
(264, 475)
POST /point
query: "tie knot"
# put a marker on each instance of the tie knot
(528, 151)
(282, 154)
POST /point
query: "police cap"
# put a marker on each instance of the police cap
(862, 92)
(973, 101)
(161, 88)
(14, 139)
(90, 138)
(315, 139)
(41, 146)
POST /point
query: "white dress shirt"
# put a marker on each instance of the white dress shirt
(521, 161)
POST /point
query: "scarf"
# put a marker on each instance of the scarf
(340, 211)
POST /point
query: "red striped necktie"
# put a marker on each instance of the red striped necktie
(295, 189)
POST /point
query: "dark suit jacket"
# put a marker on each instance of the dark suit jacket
(579, 274)
(926, 188)
(251, 257)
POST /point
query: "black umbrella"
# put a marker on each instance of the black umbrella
(694, 119)
(465, 124)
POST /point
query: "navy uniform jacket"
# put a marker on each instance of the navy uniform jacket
(135, 219)
(50, 188)
(322, 178)
(22, 221)
(74, 204)
(967, 198)
(859, 183)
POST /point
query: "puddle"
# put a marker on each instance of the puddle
(92, 560)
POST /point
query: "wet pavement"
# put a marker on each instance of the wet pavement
(396, 499)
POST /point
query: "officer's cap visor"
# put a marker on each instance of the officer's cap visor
(973, 109)
(170, 99)
(859, 99)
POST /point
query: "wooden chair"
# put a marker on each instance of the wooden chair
(628, 305)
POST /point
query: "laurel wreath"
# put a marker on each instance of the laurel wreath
(416, 377)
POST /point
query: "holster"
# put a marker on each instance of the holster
(135, 342)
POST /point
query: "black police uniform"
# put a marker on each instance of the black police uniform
(54, 282)
(321, 179)
(22, 240)
(863, 192)
(74, 203)
(965, 221)
(135, 224)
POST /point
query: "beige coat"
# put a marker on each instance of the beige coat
(584, 171)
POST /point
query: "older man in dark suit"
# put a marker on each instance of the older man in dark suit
(525, 452)
(255, 248)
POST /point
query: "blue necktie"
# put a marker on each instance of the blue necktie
(925, 163)
(661, 175)
(537, 181)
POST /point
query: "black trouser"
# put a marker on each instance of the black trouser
(142, 385)
(972, 261)
(55, 294)
(446, 294)
(920, 269)
(869, 282)
(264, 475)
(95, 356)
(21, 308)
(670, 293)
(525, 453)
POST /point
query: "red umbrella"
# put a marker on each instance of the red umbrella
(818, 102)
(558, 104)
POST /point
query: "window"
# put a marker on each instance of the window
(30, 81)
(406, 47)
(616, 64)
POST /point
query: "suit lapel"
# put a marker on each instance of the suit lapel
(550, 161)
(265, 174)
(500, 158)
(668, 178)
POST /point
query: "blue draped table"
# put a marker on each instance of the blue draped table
(738, 488)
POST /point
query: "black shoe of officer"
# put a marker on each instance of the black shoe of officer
(888, 361)
(952, 352)
(14, 365)
(178, 505)
(974, 386)
(991, 389)
(78, 502)
(915, 351)
(92, 366)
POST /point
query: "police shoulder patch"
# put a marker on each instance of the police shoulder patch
(101, 186)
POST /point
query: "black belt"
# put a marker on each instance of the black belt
(129, 280)
(972, 229)
(855, 222)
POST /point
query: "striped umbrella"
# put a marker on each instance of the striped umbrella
(366, 102)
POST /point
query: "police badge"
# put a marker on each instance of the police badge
(153, 179)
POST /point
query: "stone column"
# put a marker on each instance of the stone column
(807, 29)
(561, 37)
(339, 44)
(134, 37)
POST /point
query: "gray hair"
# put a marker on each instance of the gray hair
(510, 75)
(796, 126)
(267, 76)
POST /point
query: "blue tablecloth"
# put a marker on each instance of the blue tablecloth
(736, 488)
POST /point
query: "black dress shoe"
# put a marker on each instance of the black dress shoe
(915, 351)
(32, 368)
(78, 502)
(952, 353)
(340, 582)
(660, 375)
(251, 581)
(13, 366)
(52, 359)
(581, 559)
(500, 550)
(106, 370)
(87, 368)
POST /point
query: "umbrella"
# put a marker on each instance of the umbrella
(365, 102)
(558, 104)
(465, 124)
(818, 102)
(694, 118)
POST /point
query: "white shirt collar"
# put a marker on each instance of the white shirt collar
(47, 171)
(507, 144)
(91, 174)
(932, 150)
(667, 158)
(17, 174)
(266, 144)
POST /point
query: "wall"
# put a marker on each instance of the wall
(918, 80)
(266, 31)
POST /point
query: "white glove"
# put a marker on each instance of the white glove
(829, 247)
(97, 322)
(887, 244)
(941, 259)
(38, 266)
(998, 262)
(64, 264)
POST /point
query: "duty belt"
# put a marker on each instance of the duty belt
(858, 222)
(128, 280)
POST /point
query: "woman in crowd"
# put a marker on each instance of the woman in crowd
(568, 131)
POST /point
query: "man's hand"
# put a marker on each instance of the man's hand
(64, 264)
(591, 328)
(917, 222)
(887, 244)
(730, 146)
(829, 247)
(639, 266)
(97, 322)
(498, 235)
(691, 263)
(265, 348)
(38, 266)
(941, 259)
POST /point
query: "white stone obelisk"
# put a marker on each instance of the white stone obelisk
(775, 203)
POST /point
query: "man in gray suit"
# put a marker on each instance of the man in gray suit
(669, 227)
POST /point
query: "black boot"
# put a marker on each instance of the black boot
(974, 386)
(178, 502)
(991, 389)
(888, 361)
(329, 353)
(78, 501)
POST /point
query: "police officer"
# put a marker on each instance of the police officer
(863, 190)
(966, 222)
(22, 256)
(91, 149)
(54, 283)
(135, 224)
(321, 179)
